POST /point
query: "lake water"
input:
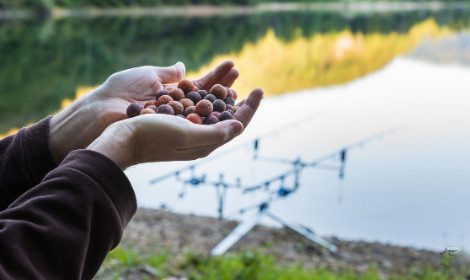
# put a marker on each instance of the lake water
(344, 76)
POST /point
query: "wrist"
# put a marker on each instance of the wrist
(116, 144)
(75, 126)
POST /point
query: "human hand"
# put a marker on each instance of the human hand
(85, 119)
(158, 137)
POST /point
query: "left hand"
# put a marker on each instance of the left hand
(159, 137)
(85, 119)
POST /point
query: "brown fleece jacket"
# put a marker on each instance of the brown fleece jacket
(58, 221)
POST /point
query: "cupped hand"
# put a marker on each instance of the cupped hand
(157, 137)
(143, 83)
(85, 119)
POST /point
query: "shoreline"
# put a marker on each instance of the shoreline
(156, 230)
(231, 10)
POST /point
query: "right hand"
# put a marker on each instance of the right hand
(93, 113)
(149, 138)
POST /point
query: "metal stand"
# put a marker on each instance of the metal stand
(333, 161)
(246, 226)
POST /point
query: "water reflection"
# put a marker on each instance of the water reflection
(44, 63)
(319, 60)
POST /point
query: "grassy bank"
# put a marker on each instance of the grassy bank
(128, 264)
(161, 244)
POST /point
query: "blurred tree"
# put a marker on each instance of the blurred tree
(34, 4)
(44, 62)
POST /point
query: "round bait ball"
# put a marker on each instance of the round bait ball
(234, 94)
(229, 92)
(219, 91)
(228, 106)
(149, 103)
(215, 113)
(210, 97)
(194, 118)
(177, 107)
(133, 110)
(164, 99)
(165, 109)
(203, 93)
(230, 111)
(186, 102)
(229, 100)
(225, 116)
(204, 108)
(147, 111)
(162, 92)
(235, 108)
(176, 94)
(194, 96)
(153, 107)
(211, 119)
(190, 110)
(219, 105)
(186, 85)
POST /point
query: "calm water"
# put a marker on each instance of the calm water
(357, 74)
(41, 63)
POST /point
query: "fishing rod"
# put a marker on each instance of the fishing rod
(283, 191)
(340, 153)
(297, 166)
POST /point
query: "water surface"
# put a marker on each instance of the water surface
(356, 74)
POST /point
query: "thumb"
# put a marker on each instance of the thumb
(171, 74)
(216, 134)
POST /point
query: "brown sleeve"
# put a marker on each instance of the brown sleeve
(25, 159)
(63, 227)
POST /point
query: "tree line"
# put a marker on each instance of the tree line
(47, 4)
(44, 62)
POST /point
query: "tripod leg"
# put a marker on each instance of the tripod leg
(305, 232)
(237, 233)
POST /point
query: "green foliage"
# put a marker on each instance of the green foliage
(455, 273)
(44, 62)
(253, 266)
(126, 3)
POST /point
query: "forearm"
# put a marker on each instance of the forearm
(25, 158)
(64, 227)
(76, 126)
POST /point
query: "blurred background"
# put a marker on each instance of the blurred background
(333, 73)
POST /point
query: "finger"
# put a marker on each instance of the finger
(198, 152)
(246, 112)
(202, 151)
(147, 94)
(219, 133)
(170, 74)
(229, 78)
(214, 76)
(170, 86)
(239, 104)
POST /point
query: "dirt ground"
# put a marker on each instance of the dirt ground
(153, 231)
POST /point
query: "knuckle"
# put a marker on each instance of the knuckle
(114, 76)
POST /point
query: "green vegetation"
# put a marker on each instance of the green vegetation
(45, 62)
(47, 4)
(246, 265)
